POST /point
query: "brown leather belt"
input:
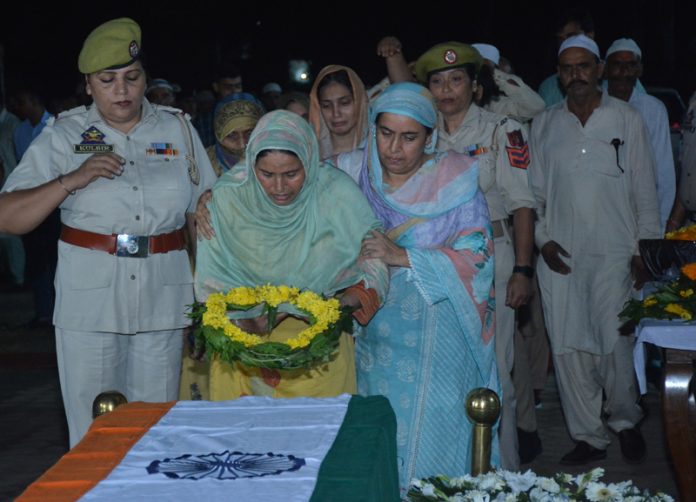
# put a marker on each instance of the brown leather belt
(498, 227)
(134, 246)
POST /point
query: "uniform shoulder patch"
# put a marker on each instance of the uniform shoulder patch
(517, 149)
(515, 138)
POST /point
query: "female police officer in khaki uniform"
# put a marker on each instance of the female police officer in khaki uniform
(119, 170)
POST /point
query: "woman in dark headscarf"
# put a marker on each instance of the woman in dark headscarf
(235, 117)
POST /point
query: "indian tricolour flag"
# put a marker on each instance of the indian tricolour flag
(252, 448)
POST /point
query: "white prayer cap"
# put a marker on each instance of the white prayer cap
(582, 41)
(624, 44)
(271, 87)
(161, 83)
(488, 51)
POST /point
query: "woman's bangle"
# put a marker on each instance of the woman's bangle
(60, 180)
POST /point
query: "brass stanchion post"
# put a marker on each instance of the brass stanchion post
(106, 402)
(483, 408)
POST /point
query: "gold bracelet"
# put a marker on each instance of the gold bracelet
(70, 192)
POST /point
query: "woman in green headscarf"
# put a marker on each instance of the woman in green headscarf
(282, 218)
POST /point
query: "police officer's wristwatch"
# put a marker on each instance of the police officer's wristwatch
(525, 270)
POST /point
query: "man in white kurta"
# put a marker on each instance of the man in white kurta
(688, 156)
(592, 176)
(685, 203)
(623, 67)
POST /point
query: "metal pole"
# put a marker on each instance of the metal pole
(482, 408)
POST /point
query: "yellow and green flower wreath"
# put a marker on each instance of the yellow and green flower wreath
(673, 300)
(214, 326)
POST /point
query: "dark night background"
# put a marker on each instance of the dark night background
(182, 43)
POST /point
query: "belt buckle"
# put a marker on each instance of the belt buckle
(132, 246)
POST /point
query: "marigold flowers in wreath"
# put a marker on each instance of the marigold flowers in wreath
(671, 300)
(687, 233)
(215, 327)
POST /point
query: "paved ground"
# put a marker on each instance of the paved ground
(34, 433)
(655, 473)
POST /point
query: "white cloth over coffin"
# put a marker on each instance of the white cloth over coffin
(302, 427)
(666, 334)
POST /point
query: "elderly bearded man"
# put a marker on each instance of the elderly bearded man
(622, 70)
(592, 177)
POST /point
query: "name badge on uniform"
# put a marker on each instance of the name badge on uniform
(518, 150)
(93, 142)
(165, 149)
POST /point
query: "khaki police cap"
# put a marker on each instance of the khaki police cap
(446, 56)
(115, 43)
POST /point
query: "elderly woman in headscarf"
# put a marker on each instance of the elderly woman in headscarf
(338, 108)
(235, 117)
(432, 340)
(282, 218)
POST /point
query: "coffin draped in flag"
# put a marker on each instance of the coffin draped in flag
(252, 448)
